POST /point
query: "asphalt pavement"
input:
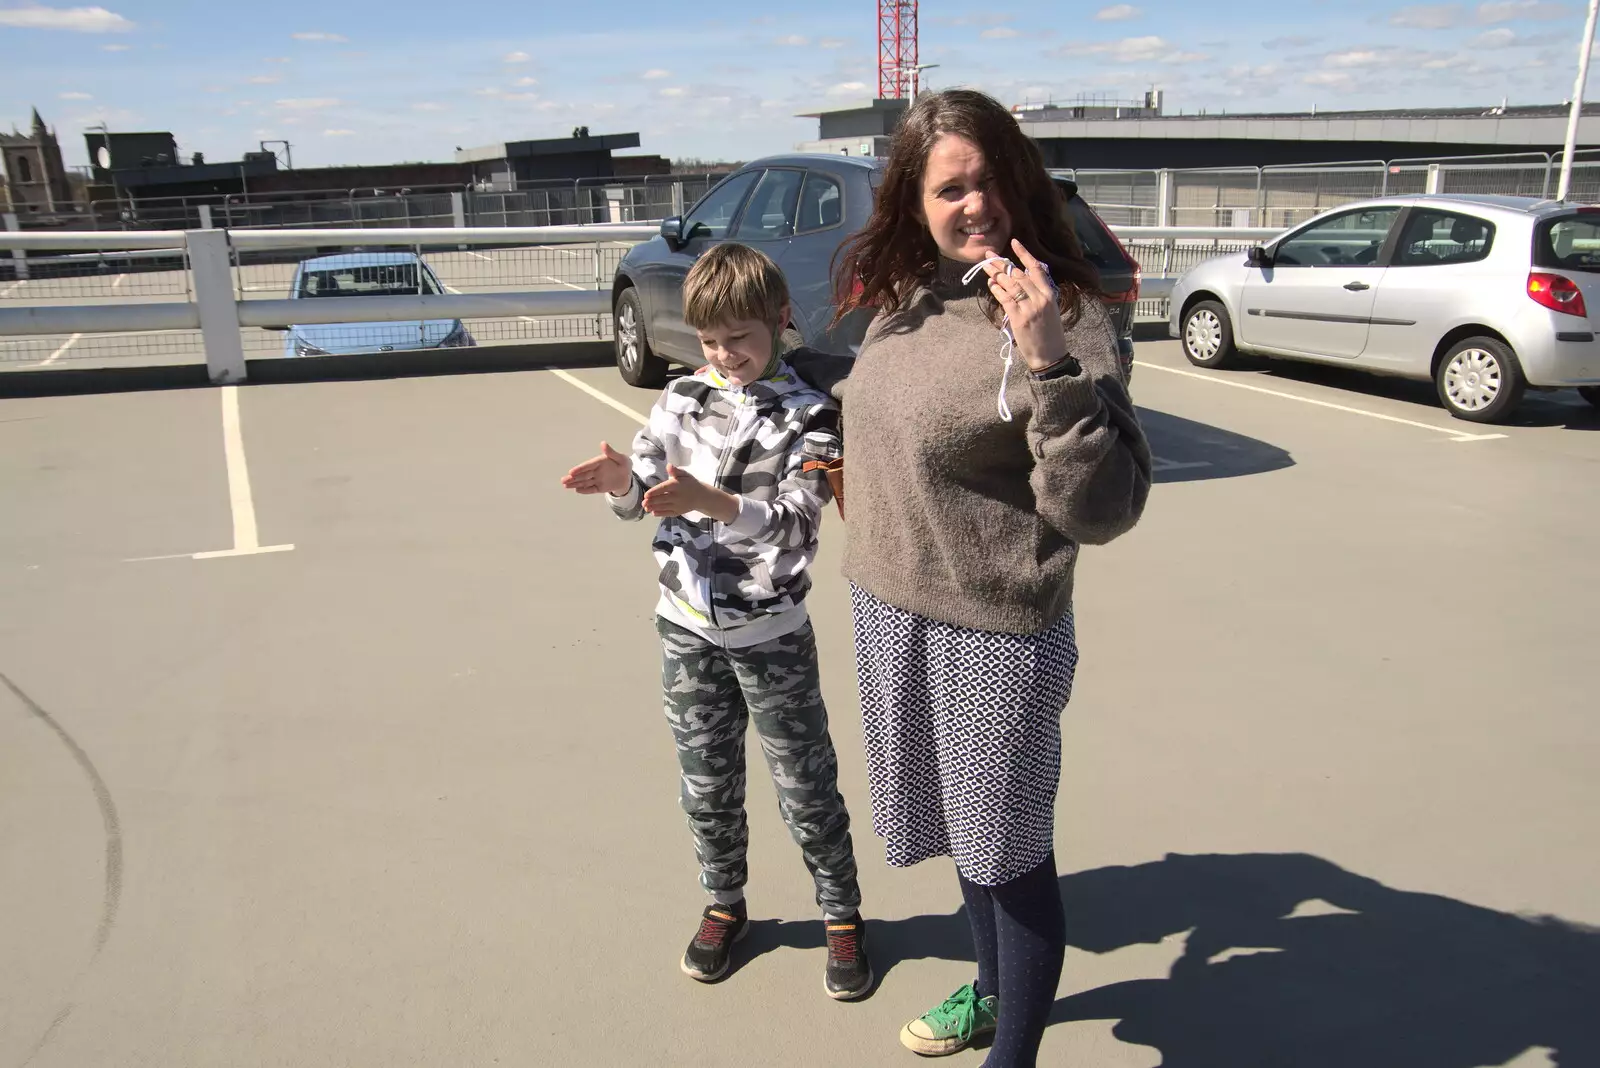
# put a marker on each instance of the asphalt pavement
(330, 735)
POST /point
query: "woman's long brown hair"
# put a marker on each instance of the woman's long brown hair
(894, 254)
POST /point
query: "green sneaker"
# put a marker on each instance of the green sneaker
(952, 1026)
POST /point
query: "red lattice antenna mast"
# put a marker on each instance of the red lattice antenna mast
(897, 49)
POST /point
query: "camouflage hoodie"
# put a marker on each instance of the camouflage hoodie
(745, 582)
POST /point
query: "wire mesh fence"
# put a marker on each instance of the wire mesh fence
(75, 277)
(156, 348)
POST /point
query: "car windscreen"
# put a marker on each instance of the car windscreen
(1568, 243)
(392, 279)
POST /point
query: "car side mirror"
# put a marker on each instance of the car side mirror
(672, 231)
(1258, 257)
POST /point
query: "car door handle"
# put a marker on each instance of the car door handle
(1356, 287)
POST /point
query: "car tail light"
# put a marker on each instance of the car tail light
(1557, 293)
(1131, 294)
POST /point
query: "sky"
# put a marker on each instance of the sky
(365, 82)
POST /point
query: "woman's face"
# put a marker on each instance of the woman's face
(959, 204)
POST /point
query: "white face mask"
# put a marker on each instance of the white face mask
(1008, 348)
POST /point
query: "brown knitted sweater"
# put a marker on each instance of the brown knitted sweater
(953, 513)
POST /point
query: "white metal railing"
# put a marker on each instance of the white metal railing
(218, 313)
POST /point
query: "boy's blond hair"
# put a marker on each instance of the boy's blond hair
(733, 281)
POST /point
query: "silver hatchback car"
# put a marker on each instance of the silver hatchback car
(1486, 296)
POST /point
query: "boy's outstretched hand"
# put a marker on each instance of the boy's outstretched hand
(610, 472)
(682, 493)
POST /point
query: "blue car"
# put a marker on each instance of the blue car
(365, 274)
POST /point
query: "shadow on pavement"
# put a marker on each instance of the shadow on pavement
(1289, 960)
(486, 359)
(1187, 451)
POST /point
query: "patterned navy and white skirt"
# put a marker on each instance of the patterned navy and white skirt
(963, 733)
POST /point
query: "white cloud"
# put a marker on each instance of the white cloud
(1118, 13)
(999, 33)
(428, 105)
(497, 93)
(266, 79)
(524, 83)
(308, 103)
(338, 133)
(76, 19)
(848, 89)
(318, 35)
(793, 40)
(76, 96)
(1504, 37)
(655, 74)
(517, 57)
(114, 48)
(1358, 57)
(1133, 50)
(1510, 10)
(832, 42)
(1428, 16)
(673, 90)
(1333, 79)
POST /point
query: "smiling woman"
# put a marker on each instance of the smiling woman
(966, 657)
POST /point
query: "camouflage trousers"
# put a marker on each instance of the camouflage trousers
(710, 694)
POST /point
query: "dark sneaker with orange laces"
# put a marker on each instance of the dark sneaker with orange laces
(721, 926)
(849, 975)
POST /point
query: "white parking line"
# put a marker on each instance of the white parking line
(481, 256)
(121, 278)
(1455, 435)
(559, 282)
(451, 289)
(603, 398)
(56, 355)
(246, 539)
(13, 287)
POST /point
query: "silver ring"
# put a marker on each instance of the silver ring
(1021, 296)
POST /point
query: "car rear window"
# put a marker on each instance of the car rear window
(386, 280)
(1099, 248)
(1568, 242)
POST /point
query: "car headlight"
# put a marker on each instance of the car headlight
(303, 349)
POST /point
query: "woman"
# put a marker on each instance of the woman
(988, 434)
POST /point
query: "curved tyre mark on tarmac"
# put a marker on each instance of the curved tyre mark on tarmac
(113, 835)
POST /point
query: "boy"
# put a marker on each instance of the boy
(725, 464)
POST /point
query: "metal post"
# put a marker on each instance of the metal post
(677, 198)
(1435, 179)
(599, 285)
(205, 217)
(1577, 103)
(214, 299)
(19, 258)
(1164, 209)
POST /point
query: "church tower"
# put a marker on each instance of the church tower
(36, 180)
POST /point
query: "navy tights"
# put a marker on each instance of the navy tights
(1019, 932)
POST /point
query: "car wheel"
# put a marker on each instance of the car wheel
(638, 365)
(1208, 335)
(1480, 380)
(1590, 394)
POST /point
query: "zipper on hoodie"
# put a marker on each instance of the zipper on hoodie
(744, 403)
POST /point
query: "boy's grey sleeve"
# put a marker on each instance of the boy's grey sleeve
(792, 519)
(649, 464)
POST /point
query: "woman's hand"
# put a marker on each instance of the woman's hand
(1029, 301)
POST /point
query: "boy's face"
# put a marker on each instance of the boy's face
(739, 349)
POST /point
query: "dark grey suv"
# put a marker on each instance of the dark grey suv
(798, 210)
